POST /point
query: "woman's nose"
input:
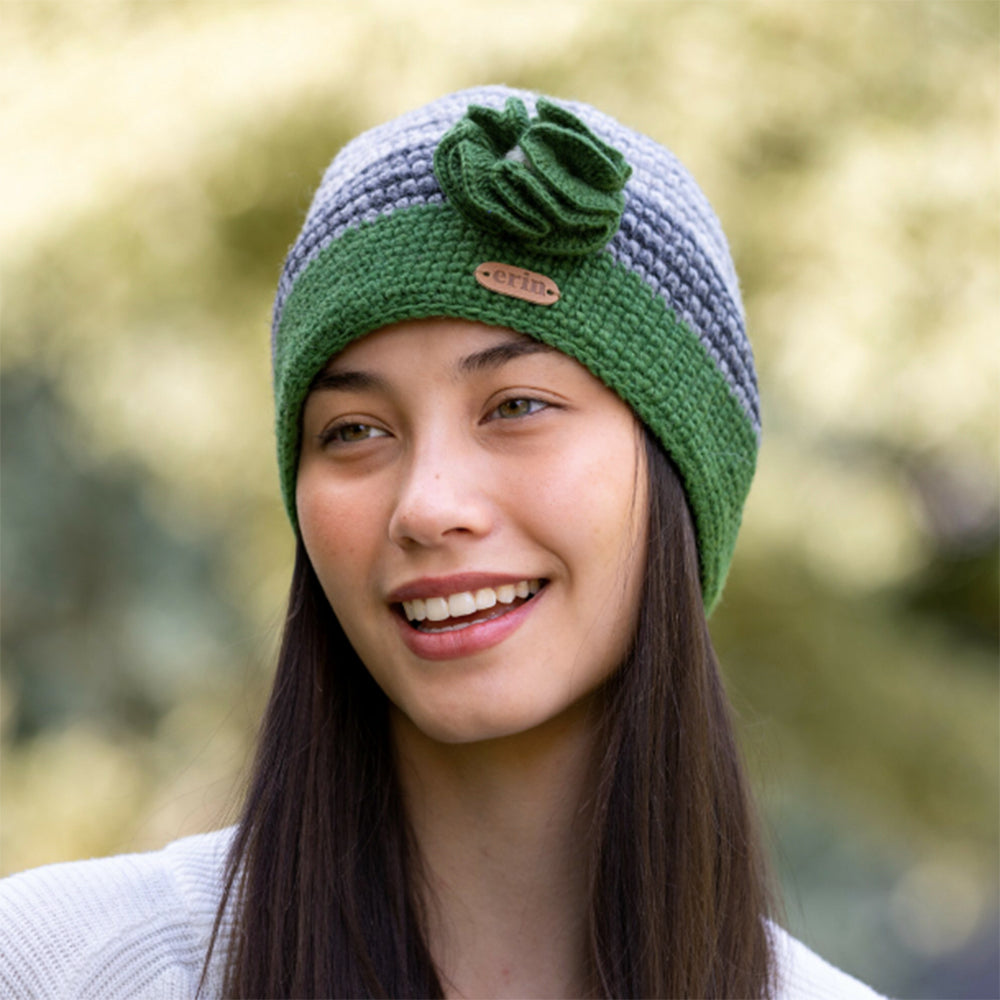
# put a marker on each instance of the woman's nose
(442, 496)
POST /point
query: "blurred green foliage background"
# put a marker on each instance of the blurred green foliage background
(157, 162)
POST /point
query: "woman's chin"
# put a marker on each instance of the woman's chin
(488, 723)
(466, 727)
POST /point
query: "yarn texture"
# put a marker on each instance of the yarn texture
(562, 194)
(649, 300)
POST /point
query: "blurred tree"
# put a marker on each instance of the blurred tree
(108, 616)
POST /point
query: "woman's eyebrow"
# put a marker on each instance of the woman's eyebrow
(347, 381)
(500, 354)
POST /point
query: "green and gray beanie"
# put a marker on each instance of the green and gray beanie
(554, 220)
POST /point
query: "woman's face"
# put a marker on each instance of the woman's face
(473, 503)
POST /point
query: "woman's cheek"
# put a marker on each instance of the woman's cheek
(331, 523)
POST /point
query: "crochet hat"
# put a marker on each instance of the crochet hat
(554, 220)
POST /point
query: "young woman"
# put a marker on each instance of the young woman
(517, 421)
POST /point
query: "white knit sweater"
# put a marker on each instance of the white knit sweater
(138, 926)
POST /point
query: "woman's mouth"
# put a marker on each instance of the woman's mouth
(452, 612)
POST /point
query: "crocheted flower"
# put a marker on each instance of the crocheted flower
(547, 181)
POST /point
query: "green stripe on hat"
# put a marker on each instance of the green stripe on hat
(420, 262)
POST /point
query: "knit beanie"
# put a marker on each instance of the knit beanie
(554, 220)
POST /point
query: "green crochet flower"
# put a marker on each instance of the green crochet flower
(548, 181)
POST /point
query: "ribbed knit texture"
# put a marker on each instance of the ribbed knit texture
(655, 312)
(136, 927)
(133, 926)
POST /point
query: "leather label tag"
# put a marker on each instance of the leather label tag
(518, 283)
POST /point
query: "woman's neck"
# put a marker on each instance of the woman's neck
(502, 827)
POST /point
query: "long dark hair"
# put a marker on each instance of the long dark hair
(320, 885)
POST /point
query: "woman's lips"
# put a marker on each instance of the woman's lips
(462, 635)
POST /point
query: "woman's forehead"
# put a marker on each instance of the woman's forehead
(472, 343)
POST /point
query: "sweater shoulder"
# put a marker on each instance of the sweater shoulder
(127, 926)
(802, 975)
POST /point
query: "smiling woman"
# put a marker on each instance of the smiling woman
(444, 492)
(517, 420)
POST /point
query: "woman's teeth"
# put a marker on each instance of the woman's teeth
(468, 602)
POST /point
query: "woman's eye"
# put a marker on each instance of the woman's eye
(350, 433)
(518, 408)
